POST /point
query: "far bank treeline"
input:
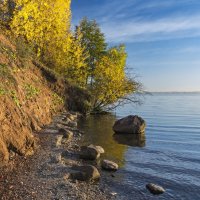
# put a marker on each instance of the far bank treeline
(82, 55)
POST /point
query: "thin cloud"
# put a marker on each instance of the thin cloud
(168, 28)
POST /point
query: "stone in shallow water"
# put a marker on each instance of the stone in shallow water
(109, 165)
(155, 189)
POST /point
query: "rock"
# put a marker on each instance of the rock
(85, 173)
(67, 135)
(155, 189)
(130, 125)
(109, 165)
(72, 117)
(58, 140)
(51, 131)
(66, 176)
(98, 148)
(89, 153)
(65, 121)
(72, 124)
(113, 193)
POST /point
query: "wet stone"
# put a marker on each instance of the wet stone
(155, 189)
(109, 165)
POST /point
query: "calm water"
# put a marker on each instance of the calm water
(168, 154)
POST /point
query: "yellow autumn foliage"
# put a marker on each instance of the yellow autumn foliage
(46, 24)
(77, 70)
(82, 57)
(110, 81)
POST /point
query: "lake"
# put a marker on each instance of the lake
(167, 154)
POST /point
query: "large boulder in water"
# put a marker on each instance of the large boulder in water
(131, 124)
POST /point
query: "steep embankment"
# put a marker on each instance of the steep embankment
(29, 96)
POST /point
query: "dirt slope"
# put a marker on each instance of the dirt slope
(28, 98)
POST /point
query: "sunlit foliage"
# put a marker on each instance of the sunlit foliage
(77, 70)
(46, 24)
(110, 81)
(81, 56)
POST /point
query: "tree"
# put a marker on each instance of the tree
(94, 41)
(111, 84)
(46, 24)
(76, 69)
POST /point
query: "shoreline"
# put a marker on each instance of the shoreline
(45, 175)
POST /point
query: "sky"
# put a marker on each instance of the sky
(162, 38)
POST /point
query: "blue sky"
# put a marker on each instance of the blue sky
(162, 38)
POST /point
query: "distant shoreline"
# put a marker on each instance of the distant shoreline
(174, 92)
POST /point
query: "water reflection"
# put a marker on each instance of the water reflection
(130, 139)
(98, 131)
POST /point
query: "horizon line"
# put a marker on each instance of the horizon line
(172, 91)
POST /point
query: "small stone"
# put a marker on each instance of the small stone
(58, 140)
(67, 135)
(98, 148)
(89, 153)
(85, 173)
(72, 117)
(72, 124)
(109, 165)
(66, 176)
(155, 189)
(113, 193)
(51, 131)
